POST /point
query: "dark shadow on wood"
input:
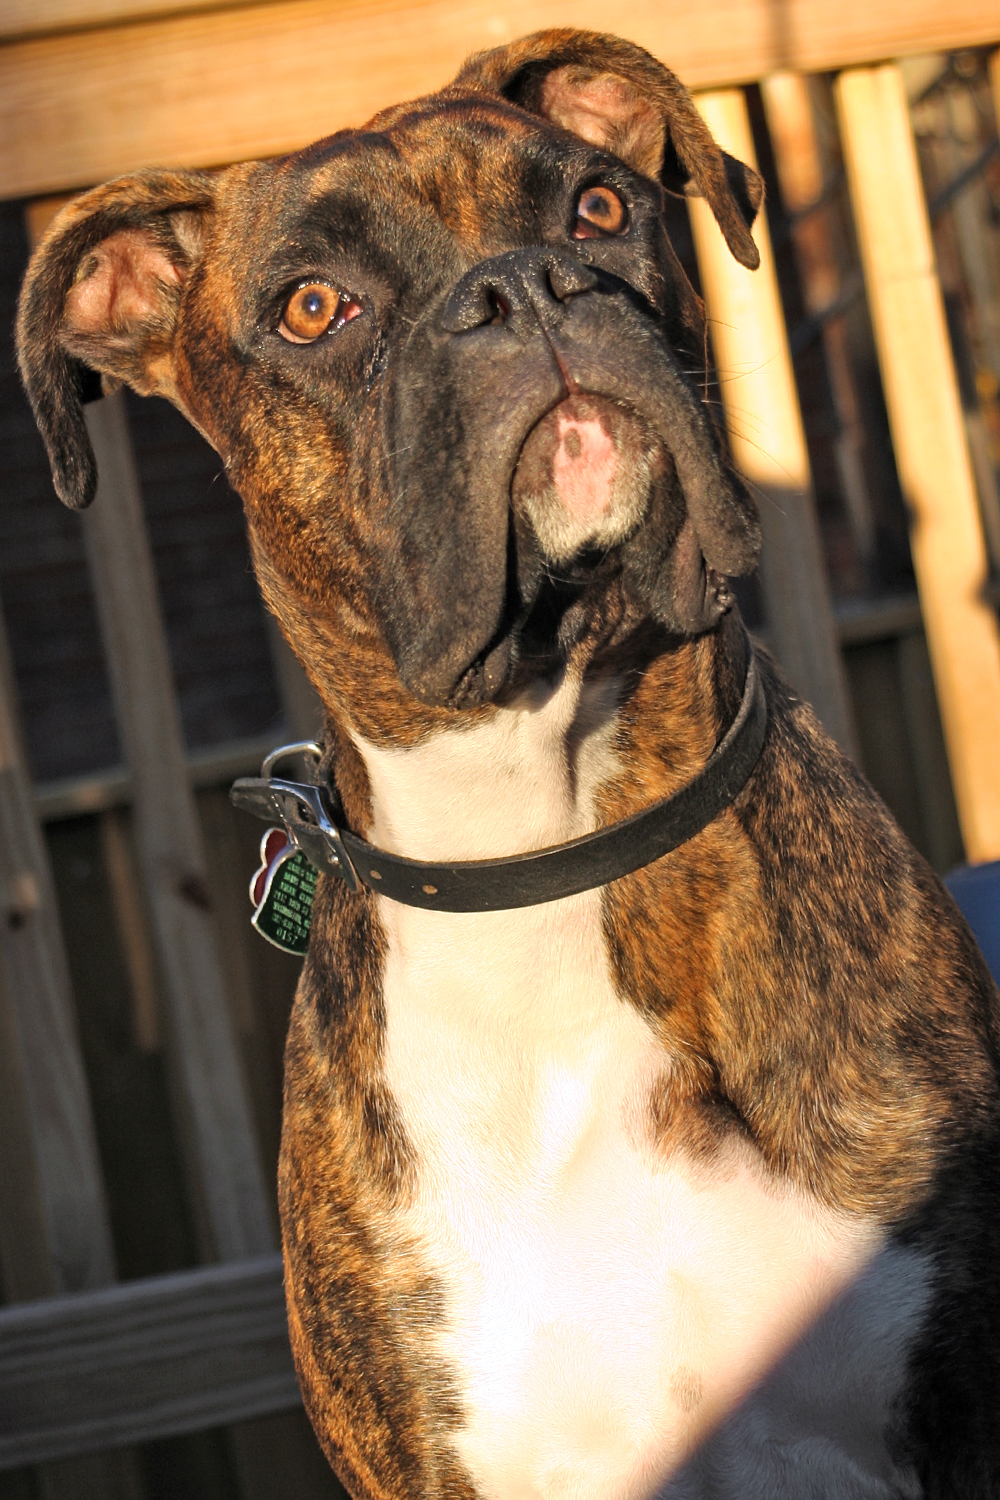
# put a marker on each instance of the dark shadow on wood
(145, 1360)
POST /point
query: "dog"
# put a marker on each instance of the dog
(675, 1172)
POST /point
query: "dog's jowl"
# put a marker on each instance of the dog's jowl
(680, 1179)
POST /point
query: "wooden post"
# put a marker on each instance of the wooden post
(54, 1230)
(792, 127)
(217, 1126)
(949, 552)
(768, 442)
(72, 1212)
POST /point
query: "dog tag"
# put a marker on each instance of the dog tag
(282, 893)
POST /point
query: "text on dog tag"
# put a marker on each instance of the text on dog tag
(282, 892)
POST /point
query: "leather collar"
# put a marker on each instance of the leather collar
(308, 812)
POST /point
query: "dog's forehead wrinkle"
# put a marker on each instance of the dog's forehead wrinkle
(332, 150)
(333, 207)
(370, 179)
(495, 166)
(451, 120)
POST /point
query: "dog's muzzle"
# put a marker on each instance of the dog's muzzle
(540, 423)
(583, 475)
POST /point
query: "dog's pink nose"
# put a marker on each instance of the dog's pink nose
(584, 467)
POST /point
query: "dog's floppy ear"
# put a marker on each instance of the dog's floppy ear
(100, 299)
(618, 97)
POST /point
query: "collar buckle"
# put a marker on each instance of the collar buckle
(301, 807)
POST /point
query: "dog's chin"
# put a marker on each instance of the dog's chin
(484, 679)
(584, 599)
(584, 476)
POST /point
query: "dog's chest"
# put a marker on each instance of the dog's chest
(604, 1303)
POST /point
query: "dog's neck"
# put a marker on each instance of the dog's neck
(531, 774)
(522, 779)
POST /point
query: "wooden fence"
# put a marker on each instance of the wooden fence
(90, 88)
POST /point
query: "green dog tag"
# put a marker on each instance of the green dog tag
(282, 892)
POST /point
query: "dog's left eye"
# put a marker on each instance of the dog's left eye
(313, 309)
(599, 211)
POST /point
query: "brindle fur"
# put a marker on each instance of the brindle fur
(824, 994)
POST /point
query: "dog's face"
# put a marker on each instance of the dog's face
(450, 362)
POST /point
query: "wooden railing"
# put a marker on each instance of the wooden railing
(155, 1357)
(208, 87)
(90, 88)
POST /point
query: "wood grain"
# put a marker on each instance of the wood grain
(757, 386)
(61, 1209)
(932, 458)
(217, 1129)
(790, 109)
(21, 18)
(204, 89)
(147, 1359)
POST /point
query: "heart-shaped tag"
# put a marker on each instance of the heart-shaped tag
(282, 892)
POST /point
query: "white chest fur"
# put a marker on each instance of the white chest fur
(606, 1308)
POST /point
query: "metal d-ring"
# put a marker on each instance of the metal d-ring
(300, 747)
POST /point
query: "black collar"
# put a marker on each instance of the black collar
(519, 879)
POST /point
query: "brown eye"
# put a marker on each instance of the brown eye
(311, 310)
(599, 211)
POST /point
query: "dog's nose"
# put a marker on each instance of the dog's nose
(535, 282)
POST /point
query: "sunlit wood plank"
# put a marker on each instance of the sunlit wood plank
(757, 386)
(198, 90)
(949, 551)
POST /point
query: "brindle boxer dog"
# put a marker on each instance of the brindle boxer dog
(686, 1184)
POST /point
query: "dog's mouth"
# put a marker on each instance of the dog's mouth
(529, 642)
(587, 478)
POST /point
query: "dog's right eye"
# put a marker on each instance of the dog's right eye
(599, 212)
(313, 308)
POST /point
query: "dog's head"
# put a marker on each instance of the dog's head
(450, 361)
